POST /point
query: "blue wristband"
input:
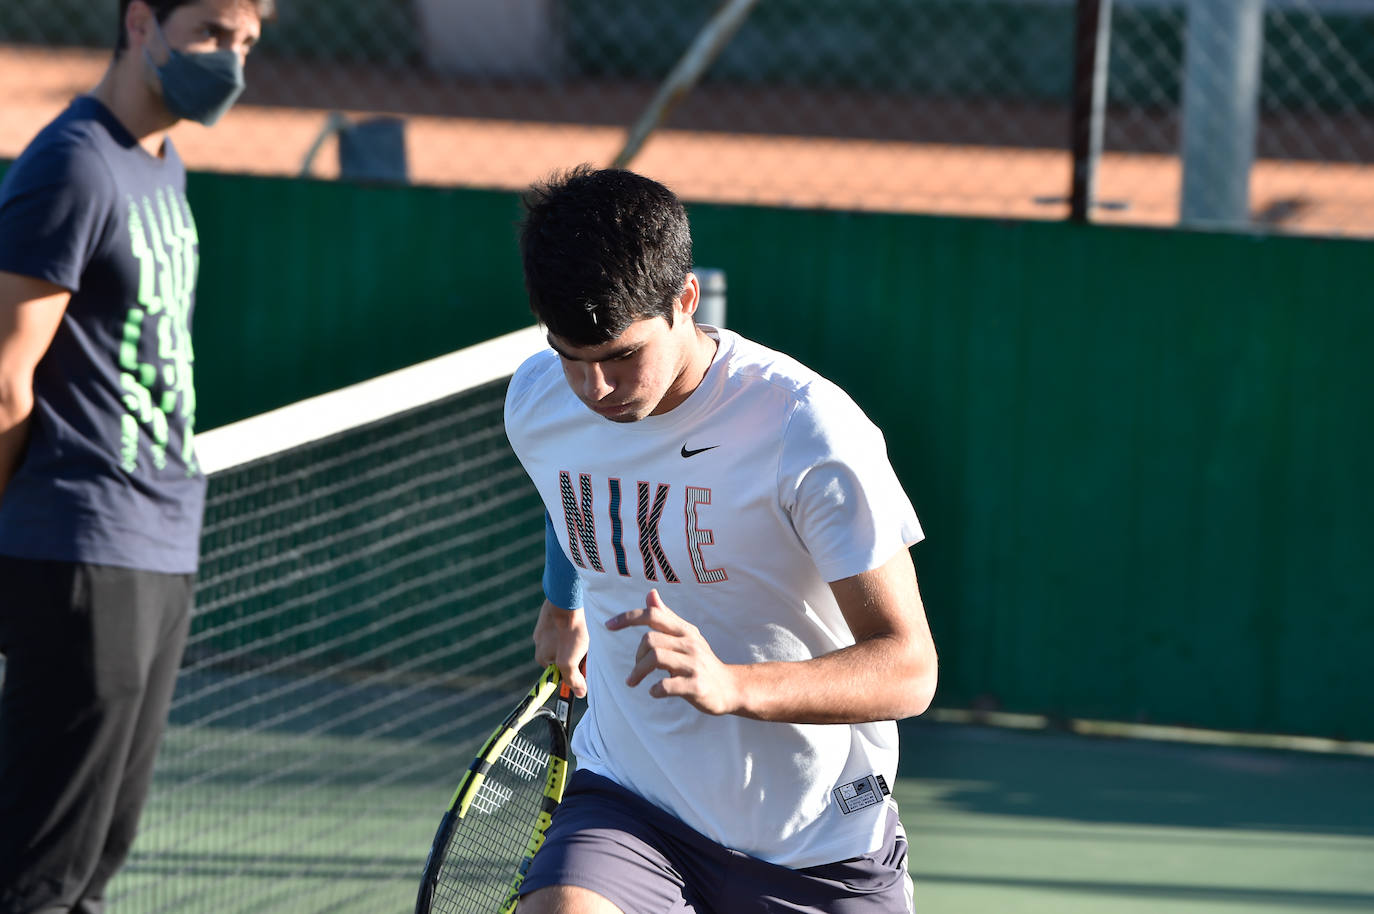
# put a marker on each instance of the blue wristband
(562, 586)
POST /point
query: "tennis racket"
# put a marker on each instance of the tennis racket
(498, 815)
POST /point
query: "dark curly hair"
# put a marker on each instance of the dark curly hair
(602, 249)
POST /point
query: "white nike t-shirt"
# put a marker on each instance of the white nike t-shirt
(738, 506)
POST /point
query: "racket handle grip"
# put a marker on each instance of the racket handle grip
(563, 707)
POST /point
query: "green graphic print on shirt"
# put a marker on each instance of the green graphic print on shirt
(160, 394)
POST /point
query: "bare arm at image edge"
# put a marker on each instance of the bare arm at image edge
(30, 312)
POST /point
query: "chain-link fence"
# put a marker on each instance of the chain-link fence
(948, 106)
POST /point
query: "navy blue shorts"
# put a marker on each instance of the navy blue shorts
(613, 842)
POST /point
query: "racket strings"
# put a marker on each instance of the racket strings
(491, 797)
(525, 758)
(489, 842)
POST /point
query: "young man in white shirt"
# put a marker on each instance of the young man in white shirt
(751, 618)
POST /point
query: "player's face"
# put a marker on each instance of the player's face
(647, 370)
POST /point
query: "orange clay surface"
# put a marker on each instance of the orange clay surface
(717, 166)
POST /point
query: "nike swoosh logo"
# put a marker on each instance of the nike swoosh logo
(687, 453)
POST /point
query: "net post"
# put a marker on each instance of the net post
(711, 308)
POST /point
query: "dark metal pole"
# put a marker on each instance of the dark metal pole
(1092, 40)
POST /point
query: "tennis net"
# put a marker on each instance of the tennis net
(369, 578)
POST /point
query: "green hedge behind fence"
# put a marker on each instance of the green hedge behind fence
(1141, 457)
(1004, 49)
(1009, 49)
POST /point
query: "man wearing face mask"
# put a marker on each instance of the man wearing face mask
(100, 493)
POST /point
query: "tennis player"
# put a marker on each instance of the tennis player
(750, 609)
(100, 494)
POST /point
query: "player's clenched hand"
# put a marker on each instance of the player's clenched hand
(676, 646)
(560, 636)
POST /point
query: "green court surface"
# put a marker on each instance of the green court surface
(1019, 822)
(999, 821)
(262, 822)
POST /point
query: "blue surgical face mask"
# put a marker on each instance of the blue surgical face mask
(199, 86)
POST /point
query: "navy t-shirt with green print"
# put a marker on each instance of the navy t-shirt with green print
(109, 475)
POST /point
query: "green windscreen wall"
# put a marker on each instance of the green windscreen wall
(306, 286)
(1142, 458)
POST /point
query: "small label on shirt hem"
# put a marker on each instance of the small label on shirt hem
(861, 794)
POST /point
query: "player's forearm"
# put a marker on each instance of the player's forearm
(884, 677)
(560, 637)
(888, 673)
